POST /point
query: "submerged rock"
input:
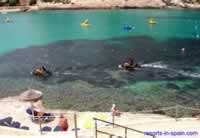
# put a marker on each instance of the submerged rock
(172, 86)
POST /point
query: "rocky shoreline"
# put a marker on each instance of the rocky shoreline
(7, 9)
(120, 4)
(107, 4)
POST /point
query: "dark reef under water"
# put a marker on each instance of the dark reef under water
(86, 74)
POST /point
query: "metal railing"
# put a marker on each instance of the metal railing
(111, 135)
(176, 108)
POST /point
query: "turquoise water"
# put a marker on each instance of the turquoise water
(44, 27)
(84, 61)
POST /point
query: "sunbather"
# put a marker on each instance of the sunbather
(63, 123)
(36, 113)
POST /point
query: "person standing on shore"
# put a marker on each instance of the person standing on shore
(115, 111)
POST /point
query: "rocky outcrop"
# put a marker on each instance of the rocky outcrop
(145, 3)
(181, 3)
(79, 4)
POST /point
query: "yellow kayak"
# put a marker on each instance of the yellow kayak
(152, 22)
(85, 24)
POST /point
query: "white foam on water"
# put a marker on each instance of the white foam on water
(64, 73)
(189, 74)
(155, 65)
(67, 73)
(160, 65)
(120, 66)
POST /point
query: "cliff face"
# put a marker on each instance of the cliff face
(73, 4)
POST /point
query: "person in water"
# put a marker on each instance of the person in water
(86, 21)
(7, 20)
(130, 65)
(42, 71)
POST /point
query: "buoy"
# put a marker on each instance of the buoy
(183, 49)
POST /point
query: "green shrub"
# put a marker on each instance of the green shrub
(3, 2)
(66, 1)
(47, 0)
(13, 2)
(58, 1)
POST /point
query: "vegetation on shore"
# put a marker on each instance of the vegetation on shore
(9, 2)
(15, 2)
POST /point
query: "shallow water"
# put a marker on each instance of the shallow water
(85, 63)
